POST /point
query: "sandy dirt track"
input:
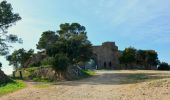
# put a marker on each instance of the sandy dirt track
(106, 85)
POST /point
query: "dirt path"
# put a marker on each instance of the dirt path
(106, 85)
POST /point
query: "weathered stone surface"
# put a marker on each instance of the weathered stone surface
(35, 59)
(49, 74)
(3, 78)
(107, 56)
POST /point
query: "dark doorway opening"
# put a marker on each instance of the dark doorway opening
(110, 64)
(105, 65)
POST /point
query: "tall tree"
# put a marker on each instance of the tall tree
(145, 59)
(128, 57)
(7, 19)
(19, 57)
(151, 58)
(141, 58)
(47, 39)
(71, 42)
(164, 66)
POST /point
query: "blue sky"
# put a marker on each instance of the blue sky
(144, 24)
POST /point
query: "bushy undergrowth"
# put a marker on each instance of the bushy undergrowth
(87, 73)
(11, 87)
(35, 74)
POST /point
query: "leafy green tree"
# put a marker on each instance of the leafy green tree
(71, 42)
(7, 19)
(147, 58)
(76, 46)
(19, 57)
(47, 39)
(164, 66)
(151, 58)
(128, 57)
(142, 59)
(60, 62)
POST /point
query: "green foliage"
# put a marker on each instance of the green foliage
(60, 62)
(47, 38)
(87, 73)
(141, 57)
(11, 87)
(36, 64)
(70, 43)
(32, 73)
(128, 56)
(147, 58)
(46, 61)
(7, 19)
(164, 66)
(152, 58)
(19, 57)
(27, 73)
(144, 58)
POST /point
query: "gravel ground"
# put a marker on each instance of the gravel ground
(106, 85)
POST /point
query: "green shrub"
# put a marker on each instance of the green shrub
(87, 73)
(11, 87)
(164, 66)
(46, 61)
(36, 64)
(60, 62)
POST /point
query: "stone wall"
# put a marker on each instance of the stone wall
(48, 73)
(106, 56)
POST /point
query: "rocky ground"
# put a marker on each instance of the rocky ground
(106, 85)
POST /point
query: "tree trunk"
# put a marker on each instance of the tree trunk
(13, 74)
(20, 73)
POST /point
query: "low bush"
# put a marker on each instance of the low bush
(36, 64)
(87, 73)
(11, 87)
(164, 66)
(46, 61)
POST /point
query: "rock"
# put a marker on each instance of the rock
(4, 78)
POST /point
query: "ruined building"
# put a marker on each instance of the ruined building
(106, 56)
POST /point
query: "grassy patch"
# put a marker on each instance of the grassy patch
(87, 73)
(11, 87)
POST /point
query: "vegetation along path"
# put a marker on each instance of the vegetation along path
(106, 85)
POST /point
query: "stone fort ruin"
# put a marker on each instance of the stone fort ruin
(106, 56)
